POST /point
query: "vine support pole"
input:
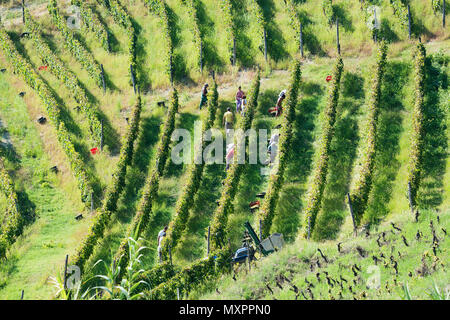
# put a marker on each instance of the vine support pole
(301, 39)
(375, 25)
(170, 254)
(443, 13)
(201, 56)
(103, 78)
(22, 294)
(411, 206)
(409, 21)
(309, 228)
(23, 11)
(65, 272)
(101, 135)
(265, 44)
(92, 201)
(350, 206)
(234, 51)
(209, 241)
(337, 36)
(133, 79)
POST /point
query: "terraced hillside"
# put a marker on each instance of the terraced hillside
(116, 79)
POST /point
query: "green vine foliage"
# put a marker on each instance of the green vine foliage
(400, 11)
(93, 23)
(328, 11)
(23, 67)
(186, 200)
(227, 16)
(231, 183)
(112, 195)
(192, 276)
(59, 70)
(79, 52)
(363, 185)
(267, 210)
(315, 192)
(158, 7)
(417, 135)
(294, 19)
(155, 276)
(437, 5)
(13, 222)
(144, 215)
(191, 6)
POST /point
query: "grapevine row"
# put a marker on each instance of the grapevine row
(227, 15)
(186, 200)
(102, 219)
(13, 220)
(315, 192)
(144, 215)
(93, 23)
(417, 136)
(23, 67)
(360, 194)
(74, 46)
(158, 7)
(328, 11)
(294, 19)
(400, 11)
(231, 183)
(267, 210)
(57, 67)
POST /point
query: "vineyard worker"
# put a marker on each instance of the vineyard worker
(281, 98)
(239, 96)
(161, 236)
(273, 146)
(230, 154)
(204, 96)
(244, 105)
(228, 119)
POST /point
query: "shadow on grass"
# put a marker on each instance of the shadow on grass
(388, 135)
(435, 140)
(342, 155)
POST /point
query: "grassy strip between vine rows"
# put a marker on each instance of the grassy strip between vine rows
(75, 47)
(417, 135)
(22, 66)
(158, 7)
(315, 192)
(13, 223)
(93, 23)
(192, 276)
(103, 217)
(257, 12)
(186, 200)
(191, 6)
(267, 210)
(59, 70)
(144, 214)
(231, 183)
(227, 15)
(361, 191)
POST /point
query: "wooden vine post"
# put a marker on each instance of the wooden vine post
(209, 241)
(234, 51)
(443, 13)
(103, 78)
(21, 296)
(411, 206)
(265, 44)
(65, 272)
(23, 11)
(350, 206)
(309, 228)
(201, 56)
(101, 135)
(409, 21)
(337, 36)
(301, 39)
(133, 78)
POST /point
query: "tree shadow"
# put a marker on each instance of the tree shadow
(275, 42)
(389, 129)
(211, 58)
(342, 156)
(435, 142)
(344, 19)
(299, 166)
(310, 41)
